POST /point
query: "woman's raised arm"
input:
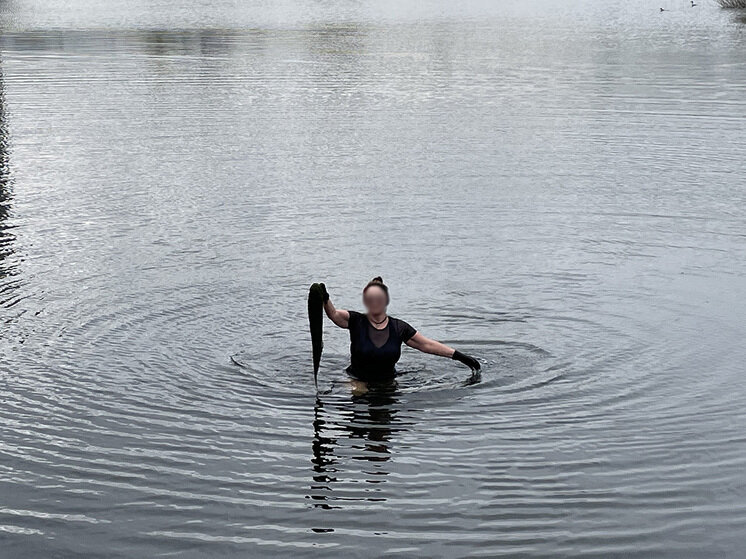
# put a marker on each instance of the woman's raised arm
(340, 317)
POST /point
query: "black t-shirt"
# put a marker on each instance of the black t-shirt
(374, 352)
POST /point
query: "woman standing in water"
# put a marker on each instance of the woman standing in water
(376, 337)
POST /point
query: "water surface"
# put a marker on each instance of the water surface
(554, 187)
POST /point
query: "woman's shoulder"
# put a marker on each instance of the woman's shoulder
(353, 322)
(355, 315)
(405, 329)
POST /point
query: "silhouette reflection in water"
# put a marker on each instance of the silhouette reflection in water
(6, 238)
(355, 429)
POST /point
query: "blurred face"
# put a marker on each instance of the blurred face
(374, 300)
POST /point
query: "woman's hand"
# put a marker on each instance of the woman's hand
(467, 360)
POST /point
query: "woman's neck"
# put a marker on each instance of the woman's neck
(377, 318)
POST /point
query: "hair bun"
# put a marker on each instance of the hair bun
(378, 282)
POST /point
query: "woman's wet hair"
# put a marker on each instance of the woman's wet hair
(378, 280)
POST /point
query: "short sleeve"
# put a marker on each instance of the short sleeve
(354, 318)
(406, 331)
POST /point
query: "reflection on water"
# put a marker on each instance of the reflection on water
(6, 236)
(554, 187)
(366, 424)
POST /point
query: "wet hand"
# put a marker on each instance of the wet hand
(467, 360)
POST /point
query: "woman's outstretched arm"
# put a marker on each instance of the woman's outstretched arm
(426, 345)
(340, 317)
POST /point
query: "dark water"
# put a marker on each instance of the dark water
(555, 187)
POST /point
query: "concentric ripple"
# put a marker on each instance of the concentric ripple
(553, 187)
